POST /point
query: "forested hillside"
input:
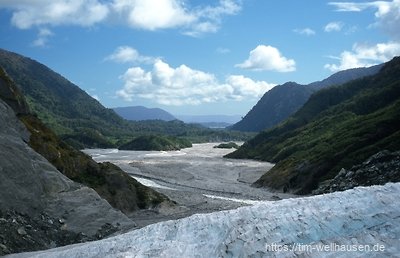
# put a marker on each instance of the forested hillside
(284, 100)
(337, 128)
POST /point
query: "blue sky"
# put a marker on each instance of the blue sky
(198, 57)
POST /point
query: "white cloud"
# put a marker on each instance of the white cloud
(153, 14)
(96, 97)
(27, 14)
(364, 56)
(140, 14)
(268, 58)
(387, 15)
(305, 31)
(186, 86)
(247, 87)
(355, 7)
(91, 93)
(126, 54)
(42, 37)
(208, 19)
(200, 28)
(334, 26)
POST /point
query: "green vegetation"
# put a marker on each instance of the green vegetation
(156, 143)
(81, 120)
(10, 94)
(229, 145)
(338, 127)
(284, 100)
(87, 137)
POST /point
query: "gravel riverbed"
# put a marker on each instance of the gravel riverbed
(198, 179)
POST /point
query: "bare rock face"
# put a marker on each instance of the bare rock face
(31, 185)
(379, 169)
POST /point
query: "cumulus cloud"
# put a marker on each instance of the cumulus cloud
(305, 31)
(141, 14)
(153, 14)
(387, 13)
(268, 58)
(186, 86)
(334, 26)
(27, 14)
(364, 56)
(247, 87)
(126, 54)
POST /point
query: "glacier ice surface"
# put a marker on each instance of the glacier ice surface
(364, 216)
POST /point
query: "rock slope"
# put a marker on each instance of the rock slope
(379, 169)
(31, 187)
(365, 216)
(29, 184)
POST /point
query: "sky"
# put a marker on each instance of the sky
(198, 57)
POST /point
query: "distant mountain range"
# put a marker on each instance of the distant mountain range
(140, 113)
(284, 100)
(212, 121)
(338, 127)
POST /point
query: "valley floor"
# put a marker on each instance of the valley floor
(198, 179)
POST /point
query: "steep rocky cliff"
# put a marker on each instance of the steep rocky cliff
(30, 185)
(36, 169)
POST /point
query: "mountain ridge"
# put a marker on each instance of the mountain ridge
(140, 113)
(284, 100)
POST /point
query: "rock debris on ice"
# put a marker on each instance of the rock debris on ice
(361, 216)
